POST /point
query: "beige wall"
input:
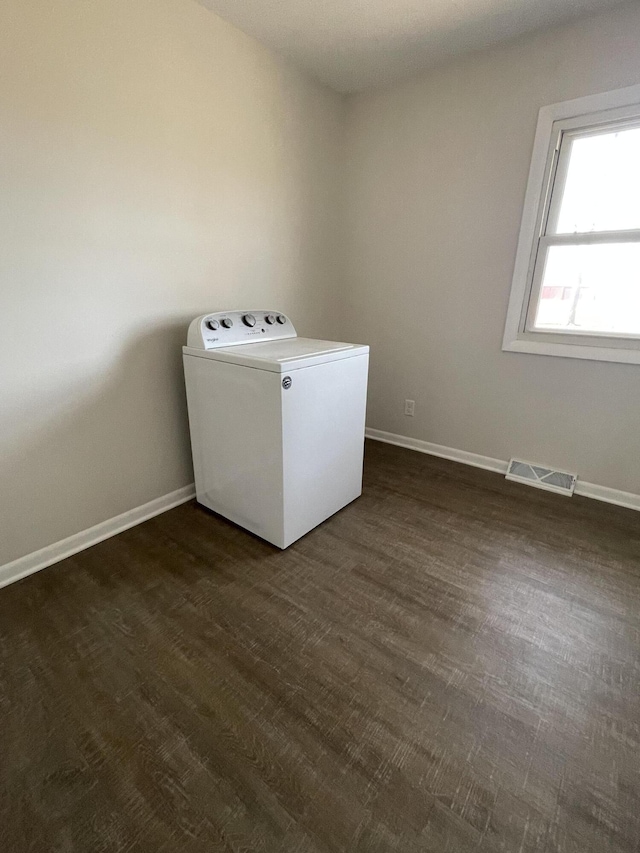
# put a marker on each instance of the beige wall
(155, 163)
(438, 168)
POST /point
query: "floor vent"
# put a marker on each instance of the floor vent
(542, 478)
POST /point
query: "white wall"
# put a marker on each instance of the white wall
(437, 172)
(155, 163)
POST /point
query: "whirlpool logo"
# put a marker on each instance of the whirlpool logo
(286, 383)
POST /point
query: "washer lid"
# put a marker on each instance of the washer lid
(282, 356)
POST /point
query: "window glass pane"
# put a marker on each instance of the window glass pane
(602, 190)
(591, 288)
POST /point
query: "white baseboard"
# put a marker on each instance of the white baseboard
(586, 490)
(486, 462)
(31, 563)
(609, 496)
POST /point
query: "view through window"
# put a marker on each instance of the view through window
(588, 262)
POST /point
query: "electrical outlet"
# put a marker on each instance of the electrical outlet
(410, 407)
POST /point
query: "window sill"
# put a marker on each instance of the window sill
(593, 353)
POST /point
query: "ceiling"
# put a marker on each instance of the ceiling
(355, 44)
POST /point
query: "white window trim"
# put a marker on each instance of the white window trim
(516, 338)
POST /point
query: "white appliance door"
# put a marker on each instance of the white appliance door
(323, 415)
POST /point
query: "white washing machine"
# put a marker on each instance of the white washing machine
(277, 422)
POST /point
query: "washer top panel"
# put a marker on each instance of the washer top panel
(281, 356)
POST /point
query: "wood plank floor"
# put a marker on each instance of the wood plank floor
(452, 663)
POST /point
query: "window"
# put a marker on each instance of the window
(576, 285)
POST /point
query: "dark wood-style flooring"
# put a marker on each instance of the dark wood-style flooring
(449, 664)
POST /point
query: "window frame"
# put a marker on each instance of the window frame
(579, 117)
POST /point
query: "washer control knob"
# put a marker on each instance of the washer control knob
(249, 320)
(227, 322)
(270, 319)
(212, 324)
(282, 319)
